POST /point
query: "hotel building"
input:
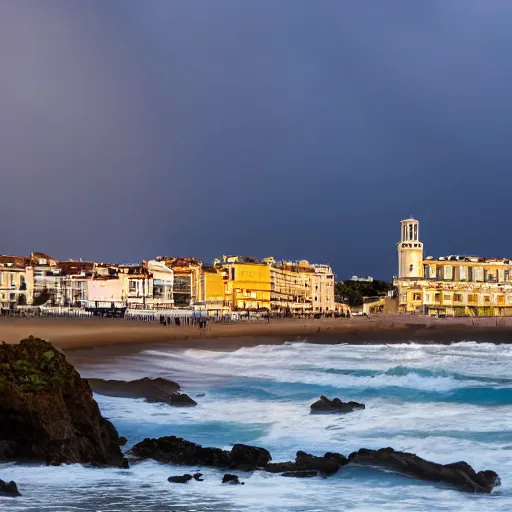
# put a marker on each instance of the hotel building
(451, 285)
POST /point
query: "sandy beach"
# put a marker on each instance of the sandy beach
(72, 334)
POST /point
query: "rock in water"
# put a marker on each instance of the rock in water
(328, 464)
(47, 411)
(231, 479)
(244, 456)
(458, 474)
(300, 474)
(9, 489)
(335, 405)
(175, 450)
(183, 479)
(153, 390)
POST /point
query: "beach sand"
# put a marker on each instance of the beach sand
(72, 334)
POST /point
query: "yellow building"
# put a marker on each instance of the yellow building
(451, 285)
(214, 289)
(16, 281)
(290, 287)
(246, 283)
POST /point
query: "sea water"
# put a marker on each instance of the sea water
(443, 402)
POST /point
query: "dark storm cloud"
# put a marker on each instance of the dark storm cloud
(298, 129)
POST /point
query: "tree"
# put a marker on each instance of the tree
(353, 292)
(42, 298)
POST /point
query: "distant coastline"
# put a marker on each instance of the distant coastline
(70, 334)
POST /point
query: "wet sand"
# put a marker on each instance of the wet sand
(130, 336)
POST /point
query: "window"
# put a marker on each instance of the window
(448, 272)
(13, 281)
(426, 271)
(438, 297)
(487, 299)
(472, 297)
(232, 273)
(1, 278)
(411, 268)
(416, 296)
(132, 286)
(457, 297)
(463, 273)
(447, 296)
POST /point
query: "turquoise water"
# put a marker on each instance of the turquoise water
(445, 403)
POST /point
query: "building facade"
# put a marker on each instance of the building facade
(188, 286)
(246, 283)
(16, 281)
(451, 285)
(215, 295)
(322, 289)
(290, 287)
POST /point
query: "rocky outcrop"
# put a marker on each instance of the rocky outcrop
(152, 390)
(182, 479)
(175, 450)
(458, 474)
(47, 411)
(231, 479)
(328, 464)
(9, 489)
(247, 457)
(198, 477)
(324, 405)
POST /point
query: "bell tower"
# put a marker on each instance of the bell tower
(410, 250)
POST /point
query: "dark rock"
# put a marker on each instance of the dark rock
(231, 479)
(122, 441)
(175, 450)
(328, 464)
(181, 400)
(197, 476)
(9, 489)
(300, 474)
(47, 411)
(335, 406)
(458, 474)
(125, 464)
(153, 390)
(183, 479)
(243, 455)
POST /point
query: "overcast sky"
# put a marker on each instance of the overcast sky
(298, 129)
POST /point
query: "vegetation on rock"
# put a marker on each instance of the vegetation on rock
(47, 411)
